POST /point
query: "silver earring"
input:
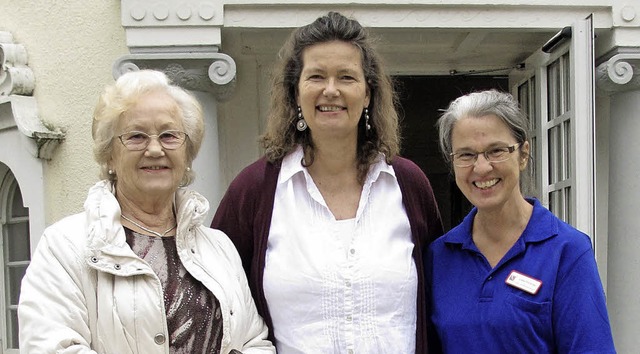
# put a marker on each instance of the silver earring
(301, 125)
(188, 169)
(110, 172)
(366, 119)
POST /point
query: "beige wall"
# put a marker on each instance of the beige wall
(71, 47)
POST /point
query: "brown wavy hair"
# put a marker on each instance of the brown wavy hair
(281, 135)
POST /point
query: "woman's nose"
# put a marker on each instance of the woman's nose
(482, 164)
(154, 148)
(331, 89)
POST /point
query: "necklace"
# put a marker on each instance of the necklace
(149, 230)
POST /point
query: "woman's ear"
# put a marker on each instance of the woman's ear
(524, 155)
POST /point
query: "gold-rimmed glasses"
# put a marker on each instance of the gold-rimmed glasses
(169, 139)
(493, 155)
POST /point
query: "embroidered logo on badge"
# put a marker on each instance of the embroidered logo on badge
(523, 282)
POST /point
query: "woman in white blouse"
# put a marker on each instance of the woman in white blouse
(330, 223)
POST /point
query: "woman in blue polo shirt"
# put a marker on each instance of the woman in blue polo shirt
(512, 277)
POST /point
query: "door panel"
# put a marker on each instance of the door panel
(556, 90)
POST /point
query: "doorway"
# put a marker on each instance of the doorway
(422, 98)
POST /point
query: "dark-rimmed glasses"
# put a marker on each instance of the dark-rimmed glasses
(169, 139)
(497, 154)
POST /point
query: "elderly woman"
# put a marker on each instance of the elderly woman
(137, 272)
(331, 223)
(525, 282)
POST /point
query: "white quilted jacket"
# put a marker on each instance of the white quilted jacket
(85, 290)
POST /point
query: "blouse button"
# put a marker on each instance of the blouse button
(94, 259)
(349, 318)
(352, 251)
(116, 266)
(348, 284)
(159, 338)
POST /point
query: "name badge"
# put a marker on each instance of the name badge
(523, 282)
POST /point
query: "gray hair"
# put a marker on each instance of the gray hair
(479, 104)
(122, 95)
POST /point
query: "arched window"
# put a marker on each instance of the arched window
(15, 257)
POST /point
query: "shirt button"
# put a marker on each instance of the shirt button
(349, 318)
(490, 277)
(159, 338)
(347, 283)
(352, 251)
(350, 351)
(116, 266)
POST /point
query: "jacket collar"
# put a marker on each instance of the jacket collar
(103, 212)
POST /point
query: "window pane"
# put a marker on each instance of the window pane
(566, 127)
(532, 161)
(13, 283)
(523, 96)
(568, 206)
(555, 203)
(12, 329)
(554, 90)
(566, 80)
(554, 155)
(16, 241)
(17, 206)
(533, 118)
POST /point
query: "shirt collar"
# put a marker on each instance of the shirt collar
(291, 166)
(542, 225)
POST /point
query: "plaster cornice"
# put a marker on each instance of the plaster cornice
(208, 72)
(621, 72)
(182, 39)
(17, 83)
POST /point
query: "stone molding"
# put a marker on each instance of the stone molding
(621, 72)
(17, 83)
(208, 72)
(168, 25)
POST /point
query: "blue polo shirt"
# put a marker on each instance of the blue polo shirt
(556, 302)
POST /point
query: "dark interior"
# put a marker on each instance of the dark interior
(422, 98)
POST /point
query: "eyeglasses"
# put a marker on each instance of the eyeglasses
(498, 154)
(136, 141)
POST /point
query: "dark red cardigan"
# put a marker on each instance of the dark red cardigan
(245, 212)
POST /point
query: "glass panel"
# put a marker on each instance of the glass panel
(555, 203)
(16, 241)
(13, 283)
(533, 119)
(554, 152)
(12, 329)
(523, 96)
(17, 206)
(566, 80)
(554, 89)
(568, 206)
(532, 162)
(566, 127)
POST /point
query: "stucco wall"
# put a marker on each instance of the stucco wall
(71, 47)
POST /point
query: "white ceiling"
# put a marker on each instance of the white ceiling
(419, 51)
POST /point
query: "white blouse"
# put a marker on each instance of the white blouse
(347, 286)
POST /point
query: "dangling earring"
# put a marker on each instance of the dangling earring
(301, 125)
(366, 119)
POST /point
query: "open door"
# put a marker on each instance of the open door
(556, 90)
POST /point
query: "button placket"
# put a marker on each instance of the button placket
(349, 299)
